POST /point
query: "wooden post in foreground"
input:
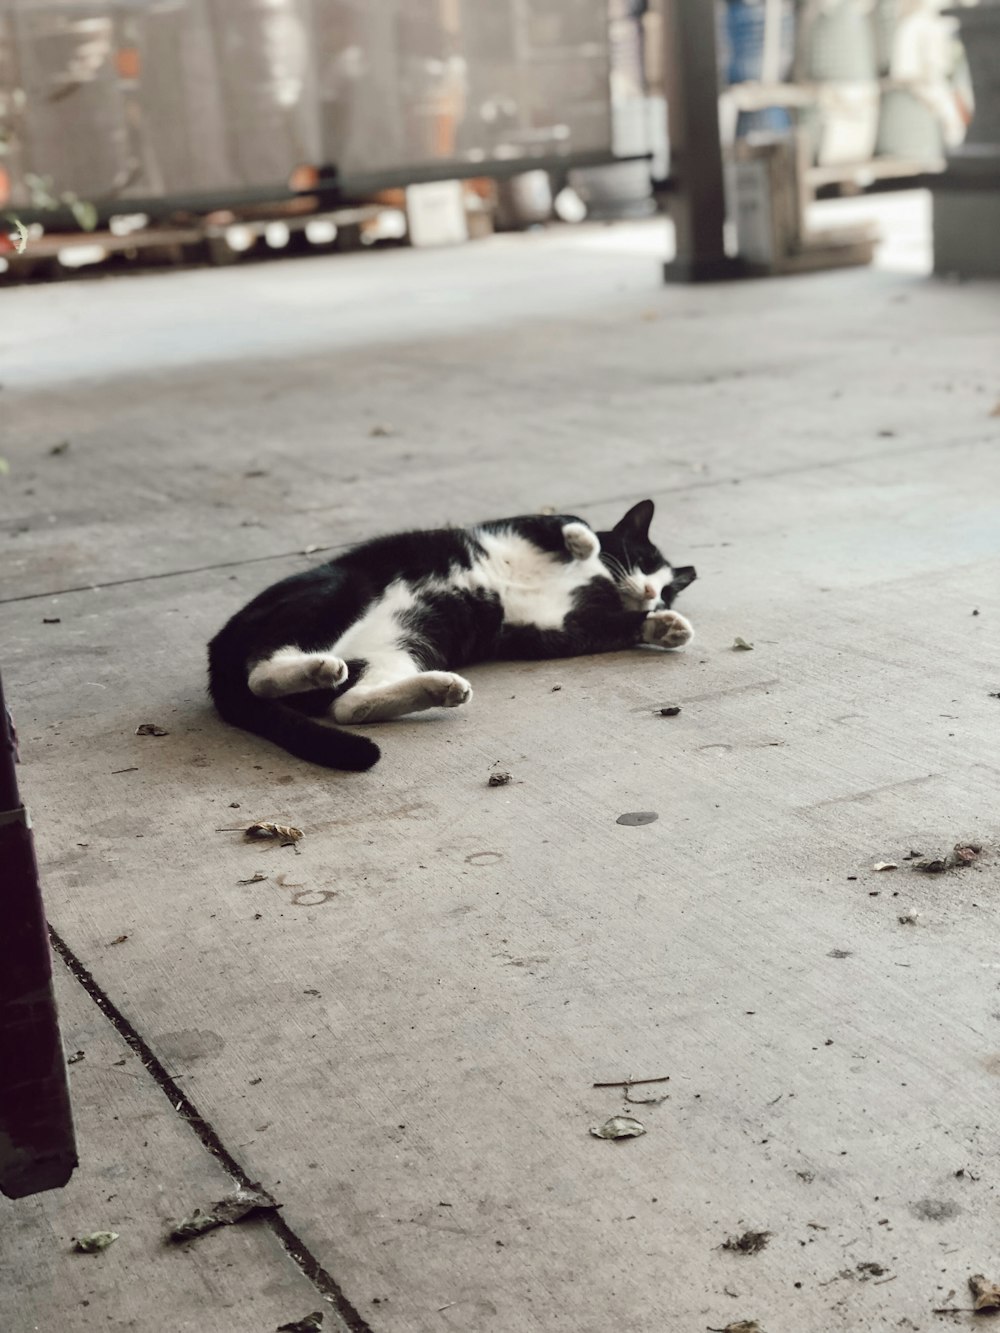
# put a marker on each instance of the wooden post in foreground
(37, 1144)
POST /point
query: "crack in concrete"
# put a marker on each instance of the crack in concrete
(704, 483)
(183, 1106)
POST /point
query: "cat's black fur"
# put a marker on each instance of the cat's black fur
(448, 627)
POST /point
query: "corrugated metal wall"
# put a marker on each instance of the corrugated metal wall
(143, 99)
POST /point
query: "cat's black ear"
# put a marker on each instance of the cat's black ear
(683, 575)
(635, 524)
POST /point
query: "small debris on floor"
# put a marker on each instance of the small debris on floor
(672, 711)
(287, 833)
(741, 645)
(51, 620)
(635, 817)
(885, 865)
(618, 1127)
(311, 549)
(994, 694)
(234, 805)
(307, 1325)
(499, 779)
(909, 917)
(965, 854)
(133, 769)
(381, 432)
(740, 1326)
(839, 953)
(59, 449)
(150, 729)
(869, 1269)
(750, 1242)
(985, 1294)
(912, 855)
(95, 1242)
(254, 879)
(262, 831)
(118, 939)
(935, 867)
(627, 1083)
(976, 611)
(76, 1058)
(556, 689)
(224, 1213)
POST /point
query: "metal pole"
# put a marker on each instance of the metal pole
(697, 203)
(37, 1144)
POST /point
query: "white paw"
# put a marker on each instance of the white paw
(327, 672)
(581, 543)
(444, 689)
(352, 712)
(667, 629)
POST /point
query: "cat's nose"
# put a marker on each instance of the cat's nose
(650, 591)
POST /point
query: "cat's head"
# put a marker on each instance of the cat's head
(646, 579)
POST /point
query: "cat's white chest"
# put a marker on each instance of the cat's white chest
(534, 587)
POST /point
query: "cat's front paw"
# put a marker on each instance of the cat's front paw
(445, 689)
(667, 629)
(580, 541)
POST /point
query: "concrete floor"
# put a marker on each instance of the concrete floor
(398, 1030)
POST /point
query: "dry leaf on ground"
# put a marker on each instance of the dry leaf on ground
(307, 1325)
(741, 645)
(263, 832)
(741, 1326)
(150, 729)
(750, 1242)
(985, 1294)
(95, 1242)
(224, 1213)
(618, 1127)
(885, 865)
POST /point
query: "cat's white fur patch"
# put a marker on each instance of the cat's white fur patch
(534, 587)
(642, 592)
(378, 630)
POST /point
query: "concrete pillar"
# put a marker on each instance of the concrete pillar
(697, 204)
(967, 193)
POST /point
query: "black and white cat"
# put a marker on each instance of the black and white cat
(379, 631)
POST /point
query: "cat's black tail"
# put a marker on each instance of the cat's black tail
(275, 721)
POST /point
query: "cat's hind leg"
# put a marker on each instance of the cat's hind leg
(291, 671)
(393, 685)
(581, 542)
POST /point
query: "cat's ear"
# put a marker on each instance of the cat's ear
(683, 575)
(635, 524)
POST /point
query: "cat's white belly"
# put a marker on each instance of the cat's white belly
(378, 631)
(534, 587)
